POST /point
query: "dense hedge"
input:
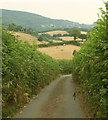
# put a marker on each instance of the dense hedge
(90, 67)
(74, 42)
(65, 66)
(48, 37)
(25, 72)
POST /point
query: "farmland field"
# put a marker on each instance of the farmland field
(27, 37)
(56, 41)
(82, 32)
(55, 32)
(59, 32)
(60, 52)
(68, 38)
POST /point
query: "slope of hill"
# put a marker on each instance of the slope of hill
(27, 37)
(35, 21)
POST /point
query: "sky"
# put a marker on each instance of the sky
(82, 11)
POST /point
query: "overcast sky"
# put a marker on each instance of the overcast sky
(82, 11)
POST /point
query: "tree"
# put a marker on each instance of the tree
(83, 36)
(75, 33)
(19, 28)
(59, 35)
(55, 35)
(40, 38)
(65, 34)
(12, 27)
(29, 30)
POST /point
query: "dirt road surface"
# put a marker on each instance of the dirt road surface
(54, 101)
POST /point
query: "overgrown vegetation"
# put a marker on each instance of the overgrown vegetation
(65, 66)
(90, 67)
(25, 72)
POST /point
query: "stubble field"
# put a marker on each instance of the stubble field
(60, 52)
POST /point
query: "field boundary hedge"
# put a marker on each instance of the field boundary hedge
(60, 43)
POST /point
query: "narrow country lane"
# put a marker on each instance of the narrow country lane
(55, 101)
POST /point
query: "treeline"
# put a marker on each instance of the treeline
(60, 43)
(19, 28)
(64, 29)
(90, 68)
(47, 37)
(53, 29)
(25, 72)
(60, 35)
(69, 30)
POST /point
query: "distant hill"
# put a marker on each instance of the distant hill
(37, 22)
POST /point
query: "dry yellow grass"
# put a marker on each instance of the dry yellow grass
(82, 32)
(55, 32)
(27, 37)
(60, 52)
(67, 38)
(59, 32)
(56, 41)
